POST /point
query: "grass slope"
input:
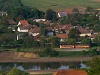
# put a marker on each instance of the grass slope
(61, 4)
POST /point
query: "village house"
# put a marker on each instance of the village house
(39, 20)
(66, 28)
(23, 22)
(23, 28)
(92, 37)
(62, 14)
(3, 13)
(50, 31)
(62, 37)
(70, 72)
(34, 31)
(85, 32)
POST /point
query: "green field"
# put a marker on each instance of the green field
(61, 4)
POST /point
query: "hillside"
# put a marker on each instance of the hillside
(61, 4)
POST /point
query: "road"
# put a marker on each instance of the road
(72, 49)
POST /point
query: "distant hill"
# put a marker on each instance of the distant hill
(61, 4)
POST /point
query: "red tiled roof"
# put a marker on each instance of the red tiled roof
(35, 29)
(10, 21)
(47, 22)
(70, 72)
(62, 36)
(67, 27)
(24, 27)
(83, 30)
(24, 22)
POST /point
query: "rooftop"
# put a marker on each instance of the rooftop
(70, 72)
(62, 36)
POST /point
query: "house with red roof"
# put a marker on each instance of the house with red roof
(62, 37)
(85, 32)
(23, 28)
(23, 22)
(70, 72)
(34, 31)
(67, 27)
(50, 31)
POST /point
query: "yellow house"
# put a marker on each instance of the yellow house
(85, 34)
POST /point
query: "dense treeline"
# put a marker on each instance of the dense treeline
(8, 4)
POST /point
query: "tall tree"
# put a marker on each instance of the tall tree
(73, 33)
(75, 11)
(97, 40)
(94, 66)
(71, 41)
(54, 41)
(86, 41)
(43, 30)
(51, 15)
(89, 9)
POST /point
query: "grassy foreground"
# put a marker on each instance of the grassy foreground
(61, 4)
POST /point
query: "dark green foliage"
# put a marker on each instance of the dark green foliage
(51, 15)
(50, 52)
(94, 66)
(63, 20)
(28, 42)
(96, 28)
(93, 51)
(16, 71)
(97, 40)
(8, 4)
(54, 41)
(73, 33)
(89, 9)
(43, 30)
(20, 13)
(86, 41)
(75, 11)
(71, 41)
(7, 40)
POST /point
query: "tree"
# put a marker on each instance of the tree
(75, 11)
(16, 71)
(4, 21)
(94, 66)
(73, 33)
(54, 41)
(7, 40)
(42, 41)
(43, 30)
(28, 42)
(63, 20)
(96, 28)
(89, 9)
(51, 15)
(86, 41)
(71, 41)
(97, 40)
(5, 5)
(50, 52)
